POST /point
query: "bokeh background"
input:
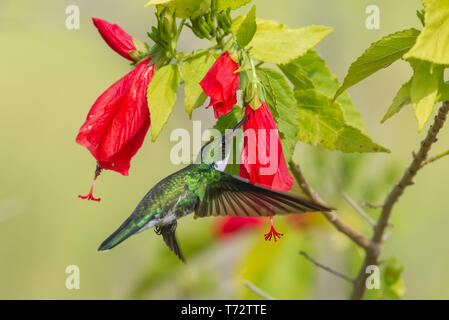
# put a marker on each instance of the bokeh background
(49, 78)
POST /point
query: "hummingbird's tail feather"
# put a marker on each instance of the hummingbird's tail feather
(127, 229)
(168, 234)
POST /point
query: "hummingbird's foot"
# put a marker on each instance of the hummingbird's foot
(90, 195)
(273, 233)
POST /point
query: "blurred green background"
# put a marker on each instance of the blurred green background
(50, 76)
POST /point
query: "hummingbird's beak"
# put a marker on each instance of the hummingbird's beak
(230, 135)
(239, 124)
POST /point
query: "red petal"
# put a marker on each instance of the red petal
(230, 225)
(118, 121)
(221, 84)
(120, 41)
(256, 159)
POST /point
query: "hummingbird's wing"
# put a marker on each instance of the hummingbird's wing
(168, 234)
(234, 196)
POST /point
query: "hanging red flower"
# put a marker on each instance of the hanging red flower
(120, 41)
(118, 121)
(262, 160)
(230, 225)
(221, 84)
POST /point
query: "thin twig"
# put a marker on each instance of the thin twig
(358, 209)
(328, 269)
(372, 205)
(251, 287)
(372, 254)
(331, 216)
(434, 158)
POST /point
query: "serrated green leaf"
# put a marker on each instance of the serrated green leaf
(433, 42)
(424, 90)
(282, 104)
(401, 99)
(184, 8)
(314, 68)
(193, 71)
(297, 76)
(276, 43)
(247, 28)
(378, 56)
(322, 123)
(162, 97)
(233, 4)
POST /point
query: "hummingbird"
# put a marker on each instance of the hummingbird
(203, 188)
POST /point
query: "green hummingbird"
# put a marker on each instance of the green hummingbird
(205, 189)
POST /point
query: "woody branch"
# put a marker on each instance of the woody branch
(373, 245)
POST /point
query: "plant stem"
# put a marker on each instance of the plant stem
(251, 287)
(328, 269)
(372, 254)
(373, 246)
(434, 158)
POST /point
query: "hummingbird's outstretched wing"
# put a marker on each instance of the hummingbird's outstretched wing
(234, 196)
(168, 234)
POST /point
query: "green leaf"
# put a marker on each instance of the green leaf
(282, 104)
(443, 93)
(193, 71)
(393, 271)
(184, 8)
(379, 55)
(401, 99)
(229, 120)
(276, 43)
(296, 74)
(233, 4)
(311, 71)
(420, 15)
(162, 97)
(433, 42)
(247, 28)
(156, 2)
(323, 123)
(393, 285)
(236, 24)
(424, 90)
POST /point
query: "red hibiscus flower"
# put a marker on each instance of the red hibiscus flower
(118, 121)
(120, 41)
(230, 225)
(221, 84)
(262, 159)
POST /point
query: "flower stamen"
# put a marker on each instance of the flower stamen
(90, 195)
(273, 233)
